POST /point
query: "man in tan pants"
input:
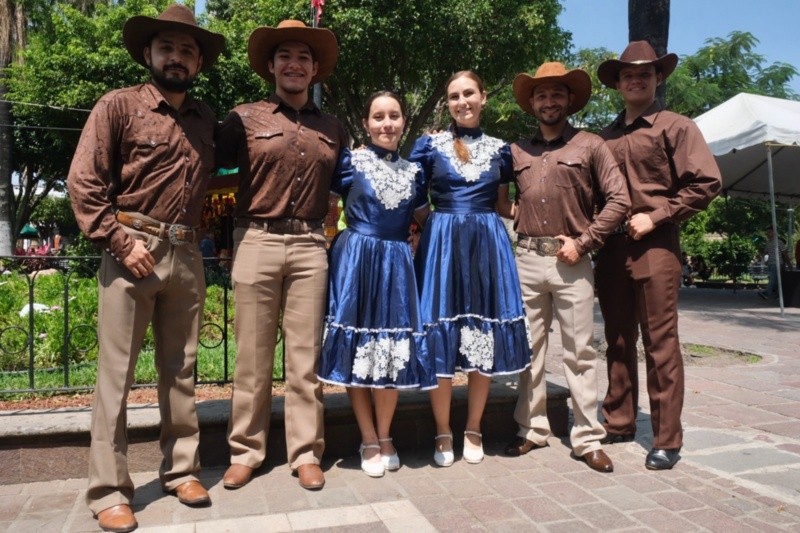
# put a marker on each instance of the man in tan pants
(563, 177)
(137, 185)
(286, 150)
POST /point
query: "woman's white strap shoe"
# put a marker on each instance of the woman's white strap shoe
(370, 468)
(390, 462)
(444, 457)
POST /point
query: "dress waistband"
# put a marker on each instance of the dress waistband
(378, 232)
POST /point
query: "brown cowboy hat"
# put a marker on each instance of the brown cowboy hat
(264, 40)
(636, 53)
(576, 80)
(139, 30)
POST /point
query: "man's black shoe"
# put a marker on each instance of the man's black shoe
(660, 459)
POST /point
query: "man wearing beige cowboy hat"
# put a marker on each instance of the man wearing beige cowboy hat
(137, 185)
(570, 196)
(286, 150)
(671, 175)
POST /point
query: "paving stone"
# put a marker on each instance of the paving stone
(624, 499)
(741, 460)
(664, 520)
(337, 516)
(511, 487)
(643, 483)
(785, 483)
(789, 428)
(602, 516)
(491, 509)
(567, 493)
(420, 486)
(703, 439)
(716, 521)
(570, 526)
(542, 509)
(11, 505)
(675, 501)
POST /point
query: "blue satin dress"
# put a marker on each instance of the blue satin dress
(470, 296)
(373, 331)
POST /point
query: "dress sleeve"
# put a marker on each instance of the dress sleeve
(421, 184)
(506, 165)
(422, 154)
(343, 175)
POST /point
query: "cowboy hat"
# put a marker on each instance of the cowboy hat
(635, 54)
(139, 30)
(576, 80)
(264, 40)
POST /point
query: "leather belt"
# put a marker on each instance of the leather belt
(177, 234)
(622, 229)
(548, 246)
(280, 226)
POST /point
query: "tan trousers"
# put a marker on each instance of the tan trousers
(172, 299)
(547, 285)
(277, 275)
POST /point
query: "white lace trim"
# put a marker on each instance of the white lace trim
(371, 331)
(477, 347)
(481, 150)
(381, 359)
(479, 317)
(393, 181)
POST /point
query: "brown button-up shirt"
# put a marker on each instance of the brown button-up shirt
(137, 153)
(286, 158)
(563, 183)
(671, 172)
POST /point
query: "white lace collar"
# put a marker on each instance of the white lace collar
(392, 181)
(481, 150)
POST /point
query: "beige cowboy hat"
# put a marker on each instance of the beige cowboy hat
(635, 54)
(576, 80)
(264, 40)
(139, 30)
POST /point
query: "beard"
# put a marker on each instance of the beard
(172, 84)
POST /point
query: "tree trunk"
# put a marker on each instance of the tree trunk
(648, 20)
(6, 192)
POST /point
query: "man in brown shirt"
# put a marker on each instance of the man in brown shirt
(563, 177)
(671, 175)
(286, 150)
(137, 183)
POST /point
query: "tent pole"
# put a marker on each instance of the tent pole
(775, 250)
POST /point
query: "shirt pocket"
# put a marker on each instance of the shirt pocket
(570, 172)
(522, 176)
(328, 151)
(145, 146)
(268, 145)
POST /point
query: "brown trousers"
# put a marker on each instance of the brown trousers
(277, 277)
(172, 299)
(637, 285)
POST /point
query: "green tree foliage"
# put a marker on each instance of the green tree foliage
(722, 69)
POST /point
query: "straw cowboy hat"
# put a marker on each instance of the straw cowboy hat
(264, 40)
(139, 30)
(635, 54)
(577, 80)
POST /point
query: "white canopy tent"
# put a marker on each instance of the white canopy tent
(756, 141)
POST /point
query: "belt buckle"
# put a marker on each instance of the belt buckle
(172, 233)
(548, 246)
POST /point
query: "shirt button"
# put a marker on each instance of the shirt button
(186, 158)
(543, 200)
(298, 179)
(184, 210)
(292, 203)
(545, 222)
(302, 154)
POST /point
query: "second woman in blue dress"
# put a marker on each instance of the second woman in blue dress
(373, 342)
(470, 296)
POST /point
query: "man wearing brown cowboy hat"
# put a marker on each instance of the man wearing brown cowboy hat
(563, 176)
(286, 150)
(137, 184)
(671, 175)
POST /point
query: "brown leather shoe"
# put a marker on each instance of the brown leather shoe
(192, 493)
(118, 519)
(311, 477)
(598, 460)
(520, 446)
(237, 476)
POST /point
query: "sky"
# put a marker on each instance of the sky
(604, 23)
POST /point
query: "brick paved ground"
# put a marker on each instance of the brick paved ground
(740, 469)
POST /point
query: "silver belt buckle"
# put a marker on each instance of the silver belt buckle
(548, 246)
(172, 233)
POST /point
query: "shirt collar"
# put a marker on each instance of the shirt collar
(383, 153)
(566, 135)
(308, 107)
(469, 132)
(648, 116)
(156, 99)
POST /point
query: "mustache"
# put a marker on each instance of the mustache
(176, 67)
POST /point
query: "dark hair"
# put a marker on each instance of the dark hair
(275, 50)
(378, 94)
(458, 145)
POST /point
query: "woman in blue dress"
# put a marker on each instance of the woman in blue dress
(470, 298)
(373, 341)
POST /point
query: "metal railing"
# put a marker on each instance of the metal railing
(48, 326)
